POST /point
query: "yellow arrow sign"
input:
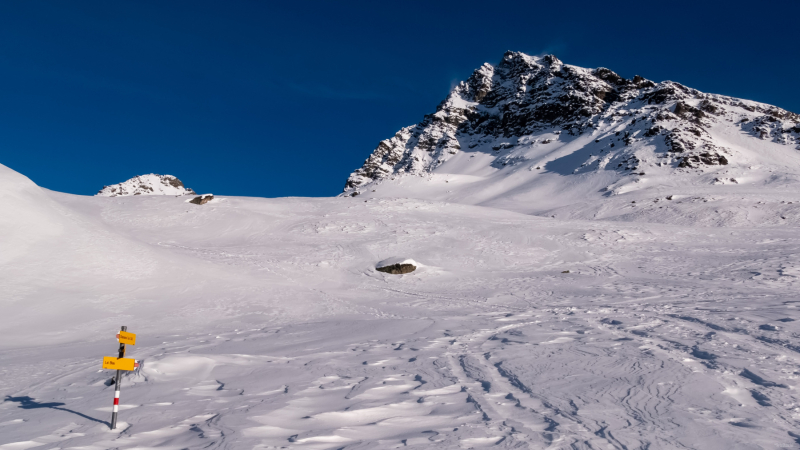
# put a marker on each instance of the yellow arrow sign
(110, 362)
(126, 338)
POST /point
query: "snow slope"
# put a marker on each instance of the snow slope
(538, 136)
(151, 184)
(262, 323)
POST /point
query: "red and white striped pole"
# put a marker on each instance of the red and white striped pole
(116, 385)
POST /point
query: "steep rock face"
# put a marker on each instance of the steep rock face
(598, 121)
(151, 184)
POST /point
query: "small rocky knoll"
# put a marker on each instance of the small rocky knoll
(151, 184)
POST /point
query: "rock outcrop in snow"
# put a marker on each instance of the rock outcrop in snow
(535, 134)
(397, 265)
(151, 184)
(203, 199)
(397, 269)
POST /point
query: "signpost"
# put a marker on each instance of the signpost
(126, 338)
(110, 362)
(119, 364)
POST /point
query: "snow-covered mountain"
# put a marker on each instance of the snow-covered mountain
(151, 184)
(538, 136)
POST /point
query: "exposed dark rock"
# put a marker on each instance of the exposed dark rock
(642, 83)
(675, 144)
(709, 107)
(686, 111)
(709, 159)
(665, 92)
(608, 76)
(654, 130)
(202, 200)
(397, 269)
(175, 182)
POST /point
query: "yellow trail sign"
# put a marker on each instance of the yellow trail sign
(110, 362)
(126, 338)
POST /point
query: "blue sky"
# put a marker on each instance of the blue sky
(259, 98)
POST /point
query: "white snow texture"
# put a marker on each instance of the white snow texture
(561, 301)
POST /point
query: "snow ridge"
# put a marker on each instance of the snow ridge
(151, 184)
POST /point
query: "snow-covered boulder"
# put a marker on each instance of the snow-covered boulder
(203, 199)
(152, 184)
(397, 266)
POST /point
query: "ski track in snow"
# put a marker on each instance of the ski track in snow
(270, 328)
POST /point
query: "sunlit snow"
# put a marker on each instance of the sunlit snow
(263, 324)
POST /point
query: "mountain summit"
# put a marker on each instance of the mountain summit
(536, 135)
(151, 184)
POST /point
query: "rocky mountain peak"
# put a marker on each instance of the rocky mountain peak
(151, 184)
(531, 111)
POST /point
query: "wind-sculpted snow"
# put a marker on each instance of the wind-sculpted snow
(534, 135)
(262, 323)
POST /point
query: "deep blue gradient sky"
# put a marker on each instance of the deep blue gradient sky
(267, 98)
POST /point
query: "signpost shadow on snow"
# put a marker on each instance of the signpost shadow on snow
(29, 403)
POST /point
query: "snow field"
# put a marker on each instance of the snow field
(263, 324)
